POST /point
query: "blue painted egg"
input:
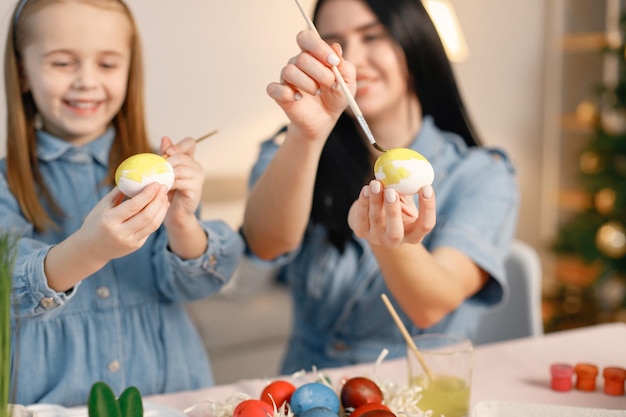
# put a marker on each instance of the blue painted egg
(319, 412)
(314, 394)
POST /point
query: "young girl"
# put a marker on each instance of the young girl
(339, 255)
(100, 280)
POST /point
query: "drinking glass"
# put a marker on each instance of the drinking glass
(449, 360)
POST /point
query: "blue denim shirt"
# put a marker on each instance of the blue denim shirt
(126, 324)
(339, 317)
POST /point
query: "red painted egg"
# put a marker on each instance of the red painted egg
(378, 413)
(253, 408)
(360, 390)
(365, 408)
(278, 392)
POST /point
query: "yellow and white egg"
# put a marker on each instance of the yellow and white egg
(139, 170)
(404, 170)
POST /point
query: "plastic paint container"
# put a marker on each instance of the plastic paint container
(561, 376)
(614, 380)
(586, 374)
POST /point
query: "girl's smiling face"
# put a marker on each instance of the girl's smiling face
(75, 63)
(382, 88)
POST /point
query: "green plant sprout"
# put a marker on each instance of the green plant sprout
(8, 252)
(102, 402)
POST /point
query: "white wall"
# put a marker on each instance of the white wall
(208, 63)
(503, 85)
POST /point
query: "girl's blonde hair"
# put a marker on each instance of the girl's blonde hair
(23, 174)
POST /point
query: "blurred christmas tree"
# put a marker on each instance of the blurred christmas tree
(596, 236)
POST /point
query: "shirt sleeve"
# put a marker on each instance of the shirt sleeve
(481, 216)
(184, 280)
(268, 149)
(31, 294)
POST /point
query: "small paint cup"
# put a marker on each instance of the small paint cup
(614, 380)
(561, 376)
(586, 374)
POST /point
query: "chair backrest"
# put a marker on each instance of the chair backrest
(519, 315)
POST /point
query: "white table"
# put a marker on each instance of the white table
(516, 370)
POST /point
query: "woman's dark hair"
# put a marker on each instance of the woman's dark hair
(345, 165)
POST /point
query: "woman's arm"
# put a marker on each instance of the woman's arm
(429, 285)
(279, 205)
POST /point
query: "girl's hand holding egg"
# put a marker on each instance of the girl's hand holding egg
(137, 171)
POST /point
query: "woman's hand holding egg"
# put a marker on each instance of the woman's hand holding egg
(386, 214)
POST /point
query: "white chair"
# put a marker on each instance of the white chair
(519, 315)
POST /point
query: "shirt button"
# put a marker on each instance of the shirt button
(47, 303)
(103, 293)
(341, 346)
(114, 366)
(80, 158)
(212, 260)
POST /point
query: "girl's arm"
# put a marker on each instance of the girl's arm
(186, 236)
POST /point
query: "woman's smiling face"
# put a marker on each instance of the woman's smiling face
(382, 88)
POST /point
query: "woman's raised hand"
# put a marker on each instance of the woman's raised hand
(308, 92)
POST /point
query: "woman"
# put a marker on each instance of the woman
(339, 255)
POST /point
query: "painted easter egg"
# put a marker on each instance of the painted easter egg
(404, 170)
(314, 394)
(278, 392)
(139, 170)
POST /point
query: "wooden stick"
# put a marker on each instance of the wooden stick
(407, 337)
(201, 138)
(198, 140)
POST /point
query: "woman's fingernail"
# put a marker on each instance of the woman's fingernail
(297, 96)
(375, 186)
(335, 86)
(333, 59)
(427, 191)
(390, 195)
(366, 191)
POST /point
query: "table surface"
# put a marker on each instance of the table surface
(516, 370)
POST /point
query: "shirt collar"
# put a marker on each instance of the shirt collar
(50, 147)
(430, 139)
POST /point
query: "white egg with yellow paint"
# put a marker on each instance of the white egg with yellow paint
(139, 170)
(404, 170)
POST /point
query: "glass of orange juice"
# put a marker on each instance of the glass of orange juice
(449, 360)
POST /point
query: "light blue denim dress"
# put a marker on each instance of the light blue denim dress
(339, 317)
(125, 324)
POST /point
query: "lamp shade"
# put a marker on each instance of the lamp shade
(444, 17)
